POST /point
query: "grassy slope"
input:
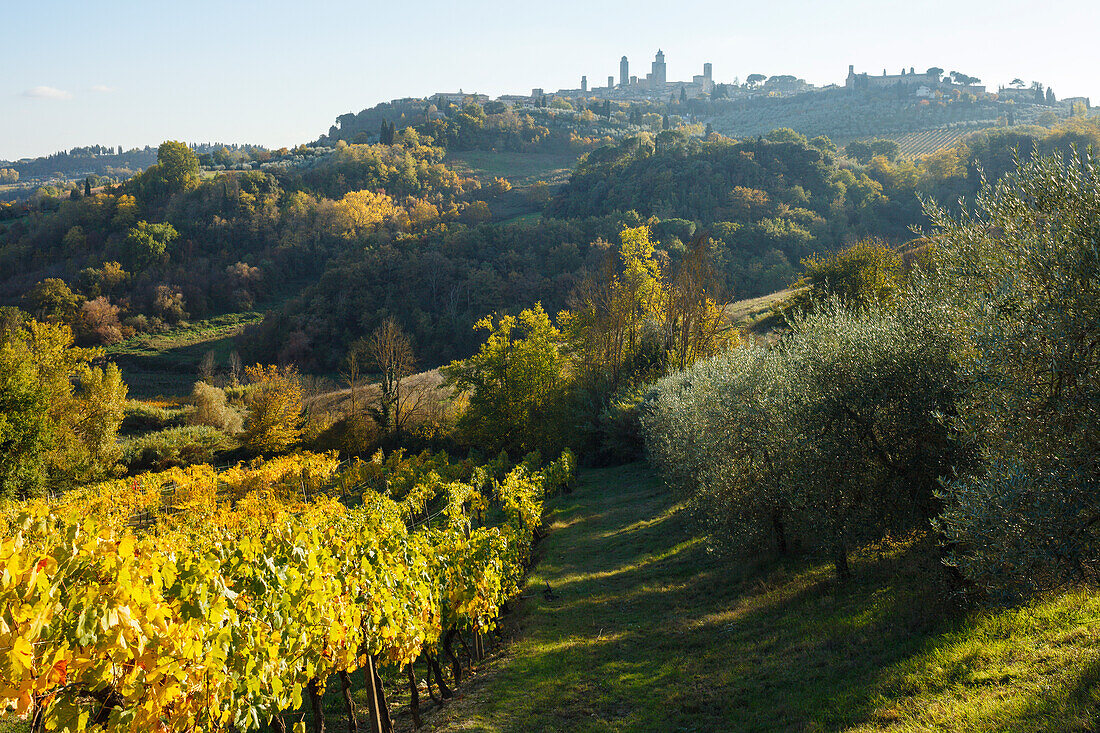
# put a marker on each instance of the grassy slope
(168, 363)
(757, 315)
(647, 631)
(519, 168)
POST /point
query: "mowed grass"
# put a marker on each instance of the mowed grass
(644, 630)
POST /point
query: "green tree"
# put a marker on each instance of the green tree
(58, 415)
(148, 242)
(514, 382)
(861, 275)
(786, 135)
(1016, 278)
(54, 301)
(177, 166)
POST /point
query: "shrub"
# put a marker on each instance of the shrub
(142, 417)
(210, 408)
(184, 446)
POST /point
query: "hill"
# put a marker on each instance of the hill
(646, 630)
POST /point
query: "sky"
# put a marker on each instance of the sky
(277, 73)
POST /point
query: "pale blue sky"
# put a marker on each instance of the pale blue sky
(136, 72)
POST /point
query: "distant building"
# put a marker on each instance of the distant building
(658, 74)
(624, 72)
(459, 97)
(866, 81)
(584, 84)
(1026, 95)
(705, 82)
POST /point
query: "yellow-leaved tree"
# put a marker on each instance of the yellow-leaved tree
(274, 409)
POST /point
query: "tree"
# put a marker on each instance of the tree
(274, 404)
(58, 415)
(833, 435)
(391, 354)
(753, 80)
(387, 132)
(823, 144)
(859, 276)
(693, 321)
(865, 151)
(53, 301)
(859, 151)
(1016, 278)
(786, 135)
(612, 325)
(148, 242)
(964, 79)
(513, 382)
(1018, 83)
(177, 166)
(74, 239)
(99, 321)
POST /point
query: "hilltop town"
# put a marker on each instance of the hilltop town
(933, 105)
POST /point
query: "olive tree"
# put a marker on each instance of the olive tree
(1017, 279)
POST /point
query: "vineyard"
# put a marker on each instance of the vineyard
(197, 599)
(926, 142)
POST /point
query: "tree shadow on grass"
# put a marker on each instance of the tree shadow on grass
(646, 630)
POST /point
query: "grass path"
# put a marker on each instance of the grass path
(647, 631)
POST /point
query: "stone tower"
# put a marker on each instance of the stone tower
(624, 72)
(584, 84)
(659, 76)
